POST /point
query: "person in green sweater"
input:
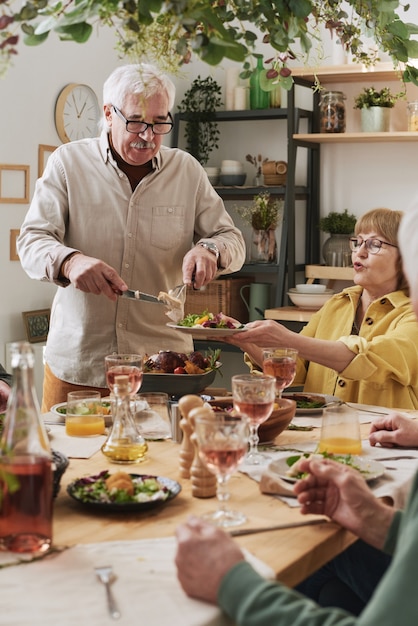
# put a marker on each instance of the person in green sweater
(212, 567)
(5, 384)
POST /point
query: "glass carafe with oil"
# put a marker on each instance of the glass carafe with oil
(25, 463)
(125, 444)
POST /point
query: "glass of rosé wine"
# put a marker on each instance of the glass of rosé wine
(254, 396)
(130, 365)
(222, 442)
(280, 363)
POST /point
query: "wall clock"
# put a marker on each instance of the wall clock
(77, 113)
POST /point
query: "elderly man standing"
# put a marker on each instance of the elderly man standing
(116, 212)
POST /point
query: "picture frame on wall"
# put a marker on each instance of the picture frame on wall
(14, 234)
(14, 184)
(44, 151)
(37, 324)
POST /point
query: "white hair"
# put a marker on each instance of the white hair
(139, 78)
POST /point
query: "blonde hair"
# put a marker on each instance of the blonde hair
(385, 222)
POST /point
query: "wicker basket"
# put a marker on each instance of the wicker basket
(274, 172)
(222, 295)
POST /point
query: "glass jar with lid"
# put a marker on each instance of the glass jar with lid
(412, 109)
(332, 112)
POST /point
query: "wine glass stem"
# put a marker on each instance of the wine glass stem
(222, 492)
(253, 439)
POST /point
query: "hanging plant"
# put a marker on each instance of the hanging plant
(198, 107)
(170, 31)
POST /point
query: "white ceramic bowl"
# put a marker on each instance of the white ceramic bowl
(212, 171)
(229, 163)
(232, 170)
(314, 288)
(309, 300)
(233, 179)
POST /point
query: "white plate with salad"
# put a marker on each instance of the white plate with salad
(60, 411)
(309, 403)
(203, 332)
(208, 324)
(369, 468)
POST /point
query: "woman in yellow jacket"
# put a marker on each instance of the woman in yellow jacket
(362, 345)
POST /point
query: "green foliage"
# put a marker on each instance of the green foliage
(198, 106)
(370, 97)
(338, 223)
(169, 32)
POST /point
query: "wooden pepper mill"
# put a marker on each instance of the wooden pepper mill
(203, 481)
(187, 451)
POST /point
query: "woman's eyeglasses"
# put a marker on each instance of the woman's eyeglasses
(373, 244)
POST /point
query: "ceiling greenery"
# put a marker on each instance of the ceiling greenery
(214, 30)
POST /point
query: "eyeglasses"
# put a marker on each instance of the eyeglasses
(133, 126)
(373, 244)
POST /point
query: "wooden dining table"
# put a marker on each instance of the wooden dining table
(292, 553)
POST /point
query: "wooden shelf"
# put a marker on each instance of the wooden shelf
(350, 73)
(329, 272)
(400, 136)
(289, 314)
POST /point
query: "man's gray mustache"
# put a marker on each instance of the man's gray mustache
(143, 144)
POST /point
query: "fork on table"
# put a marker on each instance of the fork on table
(106, 576)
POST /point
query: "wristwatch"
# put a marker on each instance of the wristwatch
(212, 247)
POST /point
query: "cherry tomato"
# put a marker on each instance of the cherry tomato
(180, 370)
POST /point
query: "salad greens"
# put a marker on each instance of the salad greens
(209, 320)
(94, 489)
(106, 408)
(345, 459)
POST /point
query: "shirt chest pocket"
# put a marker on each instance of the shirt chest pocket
(167, 226)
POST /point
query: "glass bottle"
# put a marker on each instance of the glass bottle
(26, 478)
(259, 99)
(332, 112)
(412, 109)
(125, 443)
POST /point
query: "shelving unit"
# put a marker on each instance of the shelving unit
(349, 73)
(283, 274)
(400, 136)
(352, 73)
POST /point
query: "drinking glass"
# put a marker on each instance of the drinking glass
(130, 365)
(84, 415)
(280, 363)
(254, 396)
(222, 443)
(340, 431)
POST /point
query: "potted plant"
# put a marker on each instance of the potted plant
(336, 249)
(375, 108)
(264, 215)
(198, 107)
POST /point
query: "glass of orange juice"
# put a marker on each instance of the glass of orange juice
(84, 416)
(340, 431)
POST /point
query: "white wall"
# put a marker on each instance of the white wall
(357, 177)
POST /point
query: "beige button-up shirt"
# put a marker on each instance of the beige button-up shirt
(85, 203)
